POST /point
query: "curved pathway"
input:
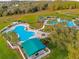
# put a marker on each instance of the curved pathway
(45, 22)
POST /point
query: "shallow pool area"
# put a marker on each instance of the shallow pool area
(70, 24)
(23, 33)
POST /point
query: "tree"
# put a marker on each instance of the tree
(35, 9)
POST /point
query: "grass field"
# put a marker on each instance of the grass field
(6, 52)
(32, 18)
(56, 52)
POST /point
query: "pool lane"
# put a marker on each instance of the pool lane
(22, 33)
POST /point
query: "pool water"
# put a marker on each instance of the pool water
(35, 45)
(70, 24)
(23, 34)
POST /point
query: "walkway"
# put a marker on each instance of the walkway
(15, 47)
(45, 22)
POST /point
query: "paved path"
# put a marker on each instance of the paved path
(45, 22)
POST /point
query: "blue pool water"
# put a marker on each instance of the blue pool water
(23, 34)
(70, 24)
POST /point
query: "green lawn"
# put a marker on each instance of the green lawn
(6, 52)
(56, 53)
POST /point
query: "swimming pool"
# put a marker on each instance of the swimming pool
(32, 46)
(29, 45)
(23, 33)
(70, 24)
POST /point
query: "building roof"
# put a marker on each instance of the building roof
(32, 46)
